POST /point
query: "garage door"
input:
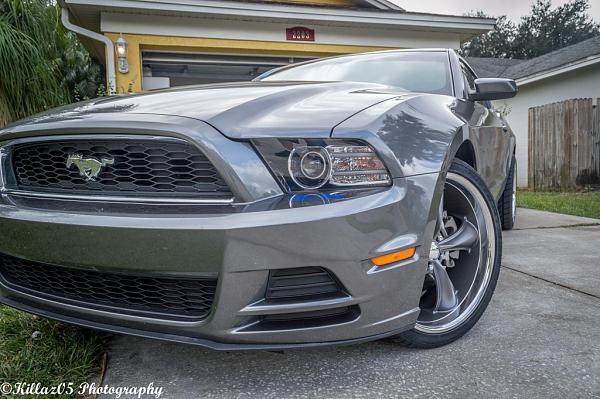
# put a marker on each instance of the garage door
(179, 69)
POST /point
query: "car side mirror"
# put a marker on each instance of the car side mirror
(489, 89)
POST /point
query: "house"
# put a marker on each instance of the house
(571, 72)
(177, 42)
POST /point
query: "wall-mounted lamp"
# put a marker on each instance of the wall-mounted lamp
(121, 46)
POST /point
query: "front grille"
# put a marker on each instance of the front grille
(304, 283)
(137, 166)
(161, 297)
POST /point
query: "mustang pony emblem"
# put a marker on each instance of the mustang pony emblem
(89, 168)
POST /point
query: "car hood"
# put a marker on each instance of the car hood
(244, 110)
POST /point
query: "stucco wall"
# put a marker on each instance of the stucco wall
(235, 28)
(582, 83)
(246, 36)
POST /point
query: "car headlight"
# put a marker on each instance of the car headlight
(309, 167)
(301, 164)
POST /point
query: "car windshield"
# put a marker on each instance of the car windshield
(423, 72)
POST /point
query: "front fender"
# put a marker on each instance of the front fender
(414, 135)
(420, 134)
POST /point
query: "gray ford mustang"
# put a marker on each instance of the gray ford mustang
(335, 201)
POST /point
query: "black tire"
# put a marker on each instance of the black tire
(507, 204)
(417, 338)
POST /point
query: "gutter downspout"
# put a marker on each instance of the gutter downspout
(110, 50)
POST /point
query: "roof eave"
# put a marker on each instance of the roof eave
(592, 60)
(468, 26)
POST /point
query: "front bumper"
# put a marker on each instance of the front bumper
(241, 248)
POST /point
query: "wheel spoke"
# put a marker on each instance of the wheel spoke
(459, 264)
(445, 293)
(441, 229)
(463, 240)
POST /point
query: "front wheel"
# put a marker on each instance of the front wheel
(464, 261)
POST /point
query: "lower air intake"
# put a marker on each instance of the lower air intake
(302, 284)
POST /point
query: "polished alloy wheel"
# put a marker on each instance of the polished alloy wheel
(461, 259)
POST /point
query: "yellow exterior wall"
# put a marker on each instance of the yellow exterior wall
(132, 81)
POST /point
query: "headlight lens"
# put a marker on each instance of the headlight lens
(314, 164)
(309, 167)
(357, 165)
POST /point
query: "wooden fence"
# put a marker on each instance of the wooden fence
(564, 145)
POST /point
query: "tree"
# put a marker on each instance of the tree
(541, 32)
(548, 29)
(41, 64)
(496, 43)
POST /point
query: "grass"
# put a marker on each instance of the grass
(579, 204)
(57, 353)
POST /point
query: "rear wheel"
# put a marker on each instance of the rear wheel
(464, 261)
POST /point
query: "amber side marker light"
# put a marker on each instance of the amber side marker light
(394, 257)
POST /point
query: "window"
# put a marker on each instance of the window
(469, 77)
(422, 72)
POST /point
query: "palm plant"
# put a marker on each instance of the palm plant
(41, 64)
(27, 77)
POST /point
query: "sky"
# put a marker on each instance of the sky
(514, 9)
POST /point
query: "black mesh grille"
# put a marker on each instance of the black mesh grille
(148, 167)
(304, 283)
(159, 297)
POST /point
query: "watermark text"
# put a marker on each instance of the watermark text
(85, 389)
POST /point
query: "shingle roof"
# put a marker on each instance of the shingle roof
(491, 67)
(517, 69)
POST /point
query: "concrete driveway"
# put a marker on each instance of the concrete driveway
(539, 338)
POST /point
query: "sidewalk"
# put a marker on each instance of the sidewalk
(558, 248)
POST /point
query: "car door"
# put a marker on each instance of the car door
(489, 134)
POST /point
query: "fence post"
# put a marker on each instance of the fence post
(531, 145)
(595, 142)
(597, 135)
